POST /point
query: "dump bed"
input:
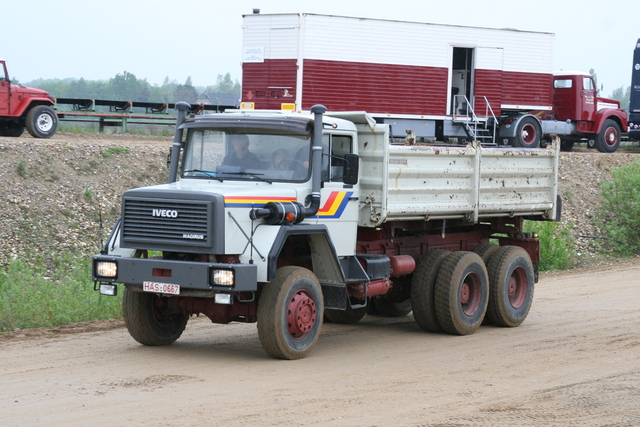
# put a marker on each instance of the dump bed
(471, 182)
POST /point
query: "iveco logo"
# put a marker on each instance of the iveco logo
(165, 213)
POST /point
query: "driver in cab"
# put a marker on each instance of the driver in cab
(241, 156)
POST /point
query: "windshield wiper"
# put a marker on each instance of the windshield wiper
(207, 173)
(252, 175)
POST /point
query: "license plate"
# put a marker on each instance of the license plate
(161, 288)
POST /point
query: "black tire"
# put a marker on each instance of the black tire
(390, 308)
(608, 140)
(528, 133)
(486, 251)
(423, 286)
(348, 316)
(566, 145)
(290, 313)
(511, 284)
(149, 319)
(11, 129)
(42, 122)
(462, 293)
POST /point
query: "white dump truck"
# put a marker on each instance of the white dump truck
(289, 219)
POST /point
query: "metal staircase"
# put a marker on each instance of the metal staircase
(477, 128)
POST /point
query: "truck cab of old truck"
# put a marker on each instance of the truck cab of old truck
(287, 218)
(579, 113)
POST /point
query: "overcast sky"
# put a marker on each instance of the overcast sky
(154, 39)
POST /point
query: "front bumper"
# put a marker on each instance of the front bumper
(189, 275)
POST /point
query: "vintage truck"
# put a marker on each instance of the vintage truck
(286, 218)
(22, 106)
(441, 82)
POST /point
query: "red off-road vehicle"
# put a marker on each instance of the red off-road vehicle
(22, 106)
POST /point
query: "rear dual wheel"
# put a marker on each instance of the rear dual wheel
(461, 293)
(511, 282)
(423, 289)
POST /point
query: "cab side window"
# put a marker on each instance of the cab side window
(333, 165)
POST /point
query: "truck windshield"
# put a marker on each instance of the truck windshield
(252, 155)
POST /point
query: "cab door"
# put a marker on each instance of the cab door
(588, 100)
(339, 201)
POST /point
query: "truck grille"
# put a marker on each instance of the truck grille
(166, 221)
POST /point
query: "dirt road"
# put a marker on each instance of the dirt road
(575, 361)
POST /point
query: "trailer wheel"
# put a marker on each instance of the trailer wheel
(608, 140)
(423, 290)
(511, 283)
(528, 133)
(11, 129)
(390, 308)
(290, 312)
(150, 319)
(348, 316)
(42, 121)
(462, 293)
(566, 145)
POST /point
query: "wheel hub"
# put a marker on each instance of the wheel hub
(517, 288)
(301, 314)
(470, 294)
(44, 122)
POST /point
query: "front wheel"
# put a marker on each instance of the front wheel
(290, 312)
(528, 133)
(152, 319)
(42, 122)
(608, 140)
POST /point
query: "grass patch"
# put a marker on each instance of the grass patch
(110, 151)
(22, 169)
(557, 249)
(620, 213)
(51, 292)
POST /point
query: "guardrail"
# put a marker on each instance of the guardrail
(122, 113)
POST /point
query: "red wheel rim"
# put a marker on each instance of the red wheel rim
(528, 133)
(470, 293)
(517, 288)
(610, 136)
(301, 314)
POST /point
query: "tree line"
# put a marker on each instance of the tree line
(127, 87)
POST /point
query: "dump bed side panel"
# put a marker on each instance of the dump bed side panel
(448, 182)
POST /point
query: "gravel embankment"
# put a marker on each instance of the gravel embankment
(53, 192)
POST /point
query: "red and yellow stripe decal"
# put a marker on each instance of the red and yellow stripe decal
(332, 208)
(253, 202)
(335, 205)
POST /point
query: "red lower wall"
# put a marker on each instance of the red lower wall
(383, 88)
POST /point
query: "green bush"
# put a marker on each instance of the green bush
(556, 244)
(51, 292)
(619, 217)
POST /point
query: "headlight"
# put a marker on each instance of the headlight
(107, 269)
(222, 277)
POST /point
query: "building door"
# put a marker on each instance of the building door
(461, 80)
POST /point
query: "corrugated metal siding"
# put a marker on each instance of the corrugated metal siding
(262, 83)
(488, 83)
(380, 88)
(527, 89)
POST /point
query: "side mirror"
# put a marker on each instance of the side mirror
(351, 164)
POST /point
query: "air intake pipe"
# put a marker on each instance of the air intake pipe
(294, 212)
(182, 108)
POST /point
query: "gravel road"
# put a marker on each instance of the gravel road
(573, 362)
